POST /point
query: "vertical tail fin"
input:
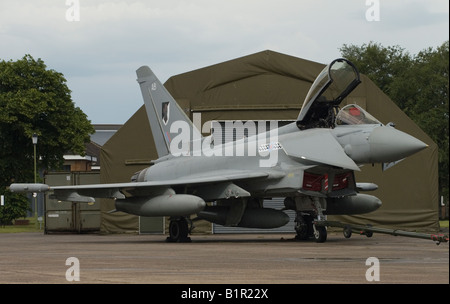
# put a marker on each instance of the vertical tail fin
(162, 110)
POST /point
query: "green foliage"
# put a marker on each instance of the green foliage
(34, 99)
(381, 64)
(16, 206)
(418, 84)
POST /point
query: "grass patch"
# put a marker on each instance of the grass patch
(31, 227)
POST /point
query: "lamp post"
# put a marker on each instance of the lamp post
(34, 139)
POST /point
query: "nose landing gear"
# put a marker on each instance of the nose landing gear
(306, 228)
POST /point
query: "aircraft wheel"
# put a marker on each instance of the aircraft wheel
(368, 233)
(178, 231)
(304, 226)
(302, 231)
(320, 234)
(347, 232)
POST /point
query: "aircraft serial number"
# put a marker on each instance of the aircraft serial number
(270, 147)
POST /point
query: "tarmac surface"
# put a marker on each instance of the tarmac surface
(35, 258)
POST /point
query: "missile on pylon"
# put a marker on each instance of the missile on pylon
(29, 188)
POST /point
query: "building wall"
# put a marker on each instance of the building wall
(70, 216)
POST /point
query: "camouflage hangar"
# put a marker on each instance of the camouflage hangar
(272, 86)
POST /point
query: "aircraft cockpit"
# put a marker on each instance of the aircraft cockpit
(334, 83)
(355, 115)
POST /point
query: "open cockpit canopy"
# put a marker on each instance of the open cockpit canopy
(334, 83)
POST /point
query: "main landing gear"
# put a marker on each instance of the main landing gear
(305, 224)
(179, 230)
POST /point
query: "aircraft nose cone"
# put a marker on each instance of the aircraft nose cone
(388, 144)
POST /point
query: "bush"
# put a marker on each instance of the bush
(15, 206)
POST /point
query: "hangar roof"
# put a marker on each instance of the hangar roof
(266, 80)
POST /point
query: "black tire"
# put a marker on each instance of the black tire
(304, 227)
(178, 231)
(347, 232)
(302, 231)
(369, 233)
(320, 234)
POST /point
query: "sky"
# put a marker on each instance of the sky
(99, 44)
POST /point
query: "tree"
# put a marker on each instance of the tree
(34, 99)
(16, 206)
(418, 84)
(381, 64)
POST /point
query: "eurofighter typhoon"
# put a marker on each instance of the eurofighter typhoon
(310, 162)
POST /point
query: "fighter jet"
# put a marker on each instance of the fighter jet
(310, 162)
